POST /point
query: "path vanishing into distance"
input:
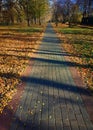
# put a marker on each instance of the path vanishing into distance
(51, 100)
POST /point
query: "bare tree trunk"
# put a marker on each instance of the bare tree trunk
(85, 8)
(0, 5)
(28, 22)
(35, 20)
(0, 10)
(27, 12)
(39, 19)
(89, 7)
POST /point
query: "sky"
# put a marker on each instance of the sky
(71, 0)
(51, 1)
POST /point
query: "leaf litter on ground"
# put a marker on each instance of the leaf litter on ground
(78, 43)
(16, 48)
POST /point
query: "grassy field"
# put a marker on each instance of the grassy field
(16, 47)
(78, 42)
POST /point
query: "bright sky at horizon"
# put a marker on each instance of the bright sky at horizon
(51, 1)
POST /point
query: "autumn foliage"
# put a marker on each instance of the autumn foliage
(78, 42)
(16, 48)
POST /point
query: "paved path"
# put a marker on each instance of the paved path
(51, 100)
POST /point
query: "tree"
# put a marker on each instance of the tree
(73, 11)
(63, 9)
(0, 10)
(21, 10)
(34, 9)
(42, 7)
(25, 6)
(86, 7)
(9, 9)
(76, 15)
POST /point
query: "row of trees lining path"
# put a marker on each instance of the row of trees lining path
(38, 11)
(18, 11)
(73, 11)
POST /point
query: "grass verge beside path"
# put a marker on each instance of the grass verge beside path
(16, 47)
(78, 42)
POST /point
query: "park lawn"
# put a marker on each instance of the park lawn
(78, 42)
(17, 44)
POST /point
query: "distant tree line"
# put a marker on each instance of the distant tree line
(79, 11)
(18, 11)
